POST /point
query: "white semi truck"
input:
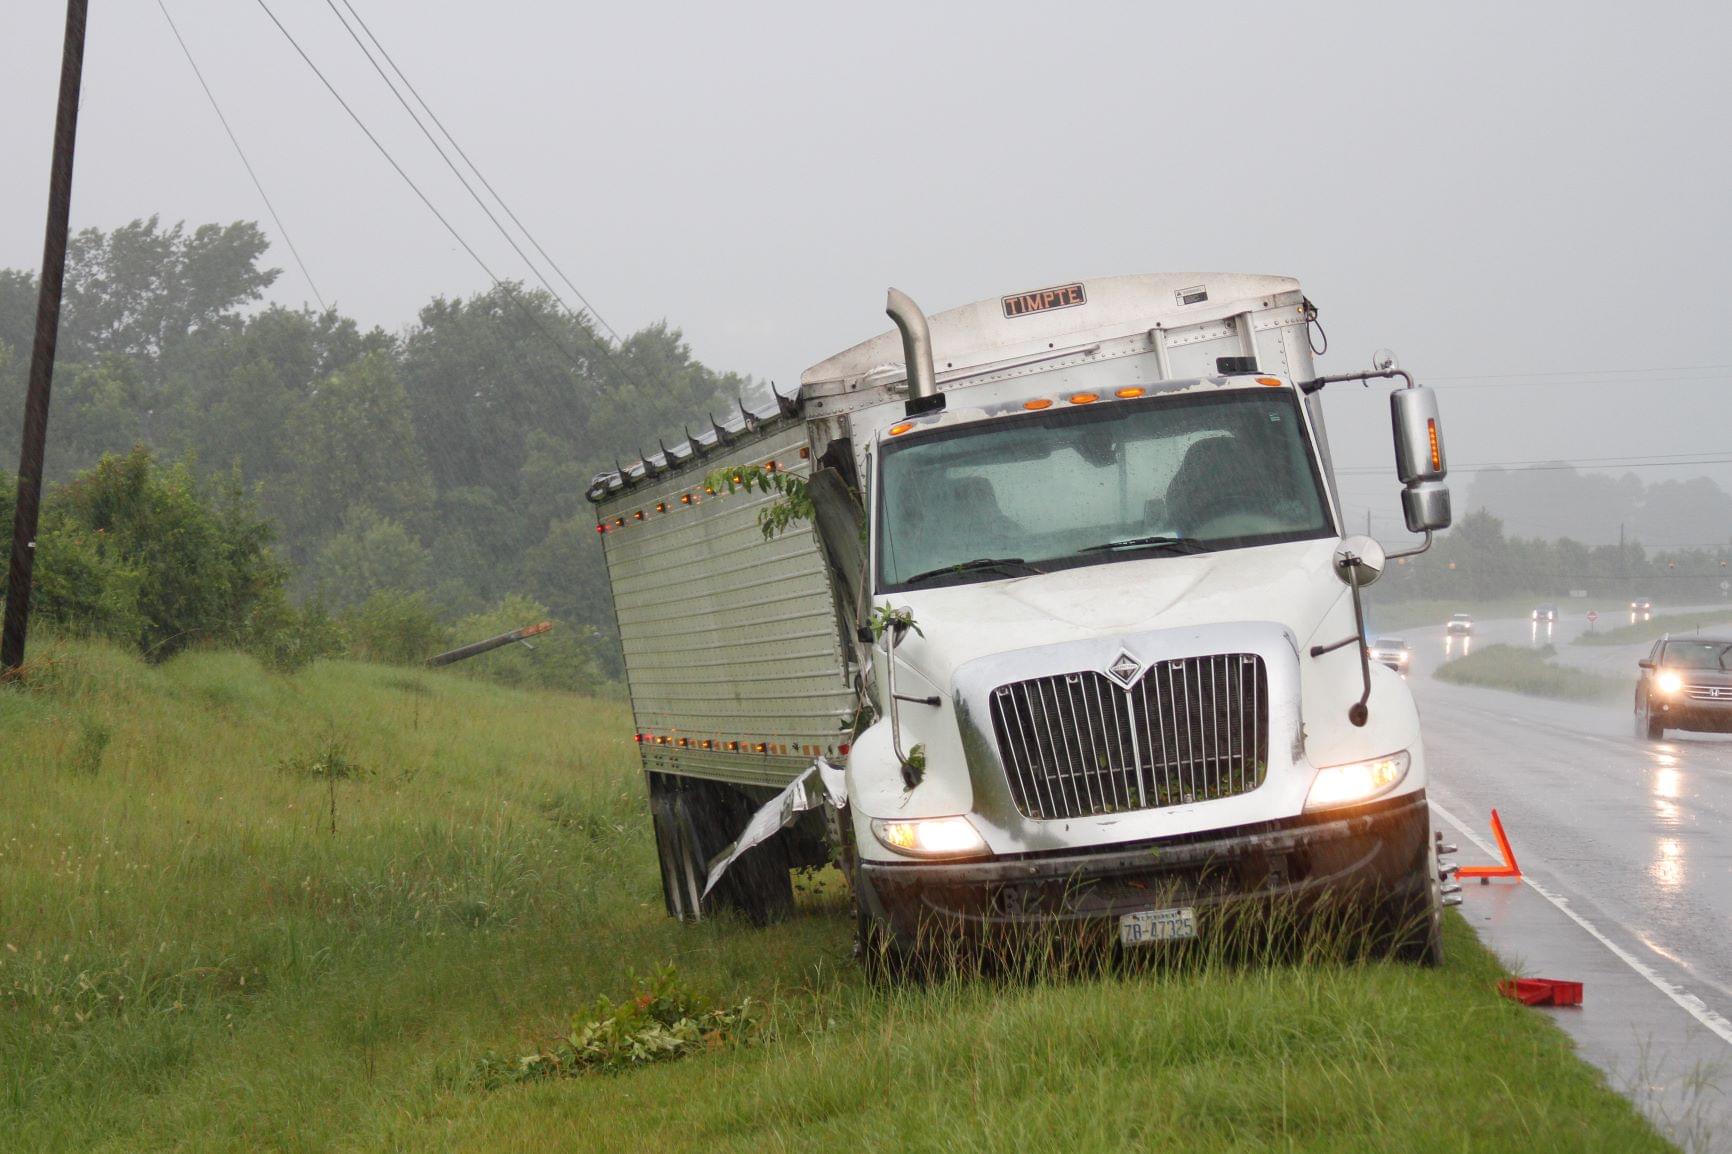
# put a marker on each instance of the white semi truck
(1056, 591)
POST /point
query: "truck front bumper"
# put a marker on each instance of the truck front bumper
(1379, 850)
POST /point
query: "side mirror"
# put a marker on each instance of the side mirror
(1419, 458)
(1359, 561)
(1644, 663)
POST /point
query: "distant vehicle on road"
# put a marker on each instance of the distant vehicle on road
(1460, 624)
(1685, 684)
(1546, 613)
(1391, 651)
(1642, 607)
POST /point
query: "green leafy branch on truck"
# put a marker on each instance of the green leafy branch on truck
(793, 507)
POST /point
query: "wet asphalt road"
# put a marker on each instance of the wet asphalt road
(1634, 837)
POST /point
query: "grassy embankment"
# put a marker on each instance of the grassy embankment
(191, 957)
(1519, 669)
(1709, 621)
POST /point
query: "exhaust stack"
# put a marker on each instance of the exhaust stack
(923, 394)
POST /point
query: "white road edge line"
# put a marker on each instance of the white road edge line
(1698, 1009)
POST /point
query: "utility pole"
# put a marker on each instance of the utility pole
(29, 508)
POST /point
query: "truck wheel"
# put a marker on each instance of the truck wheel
(1411, 923)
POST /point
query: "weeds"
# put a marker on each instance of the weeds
(330, 762)
(664, 1019)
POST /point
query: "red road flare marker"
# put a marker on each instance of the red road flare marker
(1507, 870)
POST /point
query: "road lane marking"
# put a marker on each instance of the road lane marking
(1694, 1006)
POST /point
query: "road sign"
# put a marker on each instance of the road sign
(1593, 616)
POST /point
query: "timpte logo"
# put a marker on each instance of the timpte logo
(1044, 300)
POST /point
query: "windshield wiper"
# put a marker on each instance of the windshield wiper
(971, 566)
(1176, 544)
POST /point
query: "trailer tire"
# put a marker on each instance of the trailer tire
(683, 870)
(695, 821)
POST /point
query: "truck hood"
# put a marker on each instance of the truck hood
(1293, 585)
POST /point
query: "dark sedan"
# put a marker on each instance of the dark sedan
(1685, 684)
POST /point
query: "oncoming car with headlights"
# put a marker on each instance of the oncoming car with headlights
(1039, 612)
(1686, 683)
(1393, 652)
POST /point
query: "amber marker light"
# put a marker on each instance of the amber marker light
(1084, 398)
(1037, 404)
(898, 430)
(1272, 382)
(1129, 393)
(1436, 453)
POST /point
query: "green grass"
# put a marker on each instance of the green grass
(1709, 620)
(1531, 671)
(192, 958)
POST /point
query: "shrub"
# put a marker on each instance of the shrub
(395, 628)
(150, 556)
(566, 658)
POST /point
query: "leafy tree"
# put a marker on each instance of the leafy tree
(234, 393)
(353, 439)
(568, 574)
(371, 555)
(140, 289)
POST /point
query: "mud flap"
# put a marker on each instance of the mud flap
(821, 784)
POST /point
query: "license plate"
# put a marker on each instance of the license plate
(1147, 926)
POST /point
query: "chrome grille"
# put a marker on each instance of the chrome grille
(1188, 730)
(1710, 693)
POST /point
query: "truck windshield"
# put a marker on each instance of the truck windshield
(1088, 485)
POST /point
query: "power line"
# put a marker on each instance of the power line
(485, 183)
(407, 179)
(241, 152)
(449, 163)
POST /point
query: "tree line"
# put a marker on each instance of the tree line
(421, 477)
(1477, 560)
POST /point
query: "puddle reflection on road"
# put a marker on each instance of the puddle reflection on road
(1450, 646)
(1668, 867)
(1540, 633)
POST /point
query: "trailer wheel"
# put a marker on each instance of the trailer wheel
(695, 821)
(683, 870)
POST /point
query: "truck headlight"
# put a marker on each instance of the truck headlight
(1668, 681)
(929, 837)
(1357, 781)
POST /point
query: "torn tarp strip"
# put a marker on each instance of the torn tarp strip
(821, 783)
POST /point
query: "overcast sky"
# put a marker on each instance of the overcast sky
(1488, 189)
